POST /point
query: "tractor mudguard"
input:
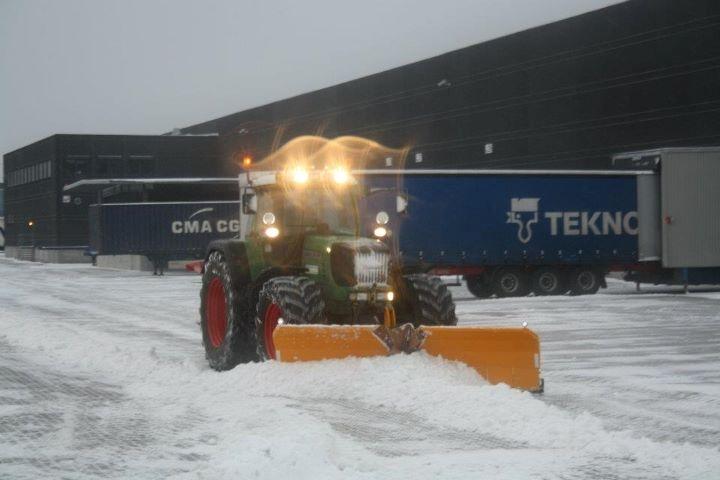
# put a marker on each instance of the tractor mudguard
(235, 253)
(255, 285)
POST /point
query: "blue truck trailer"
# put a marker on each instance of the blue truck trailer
(512, 232)
(161, 231)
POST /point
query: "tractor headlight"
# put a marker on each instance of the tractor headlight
(272, 232)
(268, 218)
(300, 175)
(380, 232)
(340, 176)
(386, 296)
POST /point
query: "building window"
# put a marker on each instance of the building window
(141, 165)
(109, 166)
(33, 173)
(76, 166)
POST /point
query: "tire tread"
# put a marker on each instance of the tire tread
(430, 299)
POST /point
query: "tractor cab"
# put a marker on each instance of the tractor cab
(308, 222)
(300, 202)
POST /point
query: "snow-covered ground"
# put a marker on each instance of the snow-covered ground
(102, 374)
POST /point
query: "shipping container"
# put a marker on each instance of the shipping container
(161, 231)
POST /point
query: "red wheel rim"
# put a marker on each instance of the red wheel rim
(216, 312)
(272, 315)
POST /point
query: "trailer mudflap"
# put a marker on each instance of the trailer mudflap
(501, 355)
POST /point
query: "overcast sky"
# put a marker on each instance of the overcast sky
(146, 66)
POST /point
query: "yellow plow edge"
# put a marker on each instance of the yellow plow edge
(500, 355)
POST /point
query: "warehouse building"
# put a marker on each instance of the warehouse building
(641, 74)
(636, 75)
(44, 222)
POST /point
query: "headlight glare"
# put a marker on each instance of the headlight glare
(340, 176)
(382, 218)
(300, 175)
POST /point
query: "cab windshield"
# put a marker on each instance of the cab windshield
(331, 211)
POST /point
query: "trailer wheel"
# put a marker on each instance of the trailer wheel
(548, 281)
(584, 281)
(477, 285)
(511, 282)
(294, 300)
(223, 317)
(427, 301)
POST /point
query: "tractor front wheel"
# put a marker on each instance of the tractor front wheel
(290, 300)
(425, 300)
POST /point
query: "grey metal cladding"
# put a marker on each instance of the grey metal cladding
(691, 208)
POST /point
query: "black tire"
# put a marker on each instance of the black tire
(511, 282)
(427, 301)
(584, 281)
(477, 285)
(297, 300)
(230, 342)
(549, 281)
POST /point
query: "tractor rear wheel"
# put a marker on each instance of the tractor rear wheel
(427, 301)
(290, 300)
(223, 317)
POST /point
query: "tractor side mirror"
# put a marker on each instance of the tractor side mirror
(249, 203)
(401, 202)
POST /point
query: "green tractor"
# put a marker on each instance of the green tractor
(301, 259)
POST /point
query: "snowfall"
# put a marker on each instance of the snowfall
(103, 375)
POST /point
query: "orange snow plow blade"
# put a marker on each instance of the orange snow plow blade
(500, 355)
